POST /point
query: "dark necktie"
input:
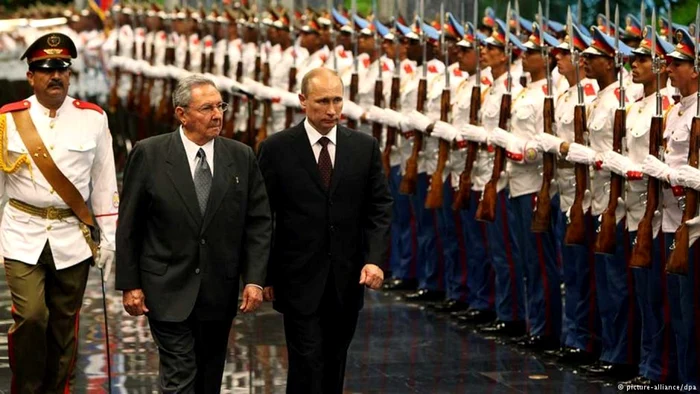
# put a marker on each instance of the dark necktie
(325, 166)
(202, 180)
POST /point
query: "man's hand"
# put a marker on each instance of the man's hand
(104, 258)
(252, 298)
(372, 276)
(269, 293)
(134, 302)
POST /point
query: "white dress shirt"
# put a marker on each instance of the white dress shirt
(191, 150)
(315, 136)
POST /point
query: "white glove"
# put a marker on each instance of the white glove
(391, 118)
(419, 121)
(580, 154)
(656, 168)
(693, 229)
(548, 143)
(352, 110)
(615, 162)
(445, 131)
(375, 114)
(289, 99)
(104, 257)
(474, 133)
(688, 176)
(252, 86)
(266, 92)
(500, 137)
(405, 123)
(621, 209)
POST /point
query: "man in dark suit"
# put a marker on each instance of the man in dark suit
(332, 212)
(194, 219)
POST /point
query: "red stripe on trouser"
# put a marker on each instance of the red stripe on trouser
(666, 354)
(462, 248)
(593, 296)
(509, 254)
(440, 249)
(11, 353)
(630, 292)
(67, 390)
(545, 278)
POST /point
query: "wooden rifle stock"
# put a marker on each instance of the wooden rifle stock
(486, 211)
(251, 131)
(289, 111)
(231, 129)
(605, 242)
(113, 96)
(680, 255)
(576, 230)
(145, 100)
(461, 200)
(410, 179)
(378, 101)
(436, 193)
(161, 115)
(543, 208)
(641, 254)
(391, 131)
(136, 85)
(352, 123)
(267, 108)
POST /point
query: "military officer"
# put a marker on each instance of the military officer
(44, 236)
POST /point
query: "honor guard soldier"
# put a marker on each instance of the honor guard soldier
(59, 153)
(581, 325)
(682, 290)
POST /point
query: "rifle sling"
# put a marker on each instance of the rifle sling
(43, 160)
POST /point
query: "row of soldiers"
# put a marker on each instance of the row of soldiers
(522, 156)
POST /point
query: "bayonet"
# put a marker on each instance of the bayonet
(643, 16)
(546, 18)
(655, 63)
(397, 71)
(618, 59)
(477, 47)
(670, 22)
(697, 53)
(607, 17)
(443, 44)
(334, 37)
(574, 55)
(545, 50)
(509, 53)
(579, 17)
(377, 38)
(422, 38)
(293, 36)
(354, 37)
(517, 19)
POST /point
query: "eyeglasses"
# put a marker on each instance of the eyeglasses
(208, 109)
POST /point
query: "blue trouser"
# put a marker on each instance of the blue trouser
(506, 261)
(581, 320)
(402, 260)
(476, 252)
(452, 246)
(657, 356)
(429, 256)
(539, 256)
(618, 315)
(684, 302)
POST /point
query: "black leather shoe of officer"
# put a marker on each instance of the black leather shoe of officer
(477, 316)
(619, 372)
(556, 353)
(400, 284)
(504, 328)
(450, 306)
(639, 380)
(539, 343)
(575, 356)
(424, 295)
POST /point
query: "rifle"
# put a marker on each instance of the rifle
(354, 78)
(543, 208)
(576, 230)
(393, 104)
(131, 97)
(379, 83)
(605, 243)
(680, 254)
(641, 254)
(486, 211)
(410, 178)
(267, 105)
(161, 115)
(113, 96)
(461, 200)
(145, 100)
(253, 103)
(229, 125)
(436, 193)
(292, 82)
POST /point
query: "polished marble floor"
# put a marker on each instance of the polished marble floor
(398, 349)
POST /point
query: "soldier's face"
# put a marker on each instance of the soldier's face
(452, 50)
(414, 50)
(310, 41)
(597, 66)
(681, 73)
(323, 102)
(533, 61)
(50, 84)
(389, 49)
(564, 62)
(202, 117)
(272, 35)
(467, 59)
(641, 70)
(345, 40)
(365, 44)
(492, 56)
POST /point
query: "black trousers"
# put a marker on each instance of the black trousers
(192, 354)
(317, 346)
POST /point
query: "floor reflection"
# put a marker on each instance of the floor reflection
(398, 349)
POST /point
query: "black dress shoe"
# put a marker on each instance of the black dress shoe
(450, 306)
(639, 380)
(423, 295)
(618, 372)
(504, 328)
(556, 353)
(400, 284)
(458, 314)
(477, 316)
(575, 356)
(539, 343)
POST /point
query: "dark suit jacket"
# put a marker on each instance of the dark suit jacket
(181, 260)
(319, 232)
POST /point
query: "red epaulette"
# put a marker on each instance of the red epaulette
(486, 81)
(457, 72)
(85, 105)
(365, 62)
(544, 89)
(16, 106)
(665, 103)
(588, 89)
